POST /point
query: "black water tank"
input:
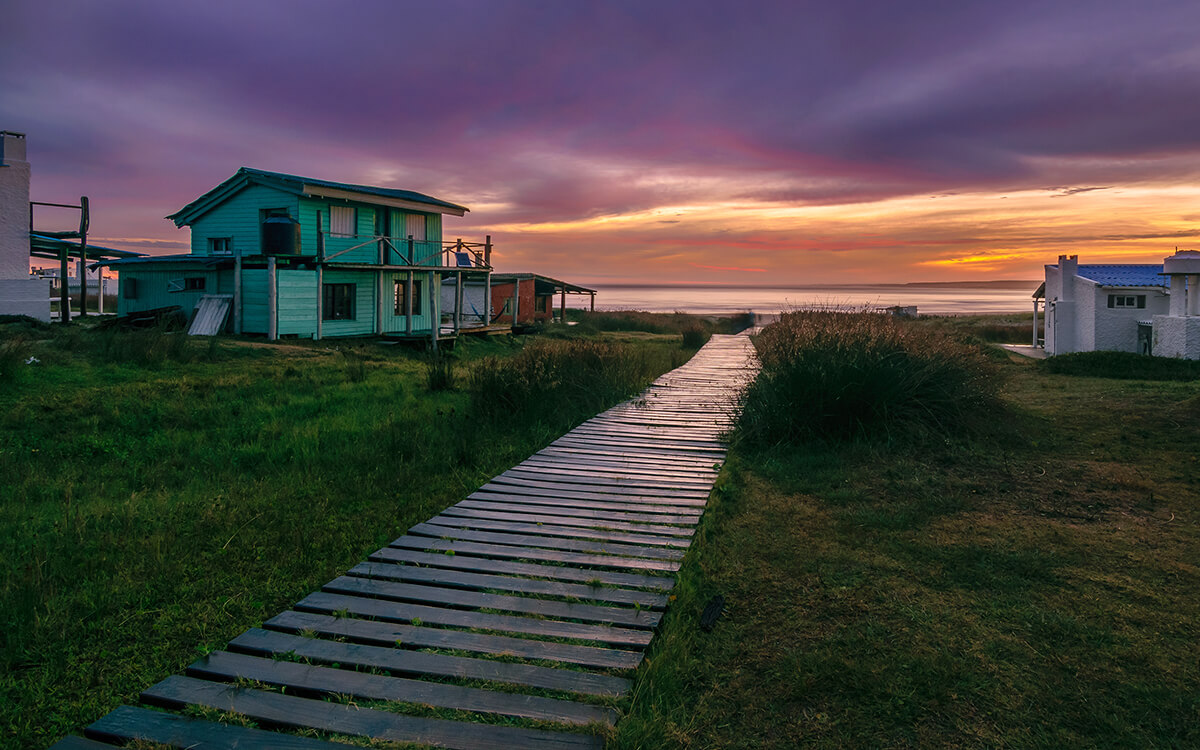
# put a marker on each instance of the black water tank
(280, 236)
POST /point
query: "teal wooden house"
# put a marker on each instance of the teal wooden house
(303, 258)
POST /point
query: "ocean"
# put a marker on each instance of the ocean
(966, 298)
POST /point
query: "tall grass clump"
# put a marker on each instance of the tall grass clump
(439, 373)
(552, 374)
(841, 376)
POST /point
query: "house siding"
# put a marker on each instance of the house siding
(298, 302)
(154, 286)
(240, 219)
(254, 300)
(393, 323)
(364, 303)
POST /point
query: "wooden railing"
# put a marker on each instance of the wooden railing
(408, 251)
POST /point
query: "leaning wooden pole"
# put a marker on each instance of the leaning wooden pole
(83, 230)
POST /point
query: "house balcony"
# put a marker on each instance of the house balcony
(405, 252)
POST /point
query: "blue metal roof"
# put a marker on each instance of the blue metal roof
(1130, 274)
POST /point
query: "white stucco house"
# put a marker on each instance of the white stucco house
(1142, 308)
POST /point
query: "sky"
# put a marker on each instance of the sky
(758, 143)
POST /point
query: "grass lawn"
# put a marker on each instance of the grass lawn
(157, 498)
(1035, 586)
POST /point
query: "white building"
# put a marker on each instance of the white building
(1140, 308)
(20, 294)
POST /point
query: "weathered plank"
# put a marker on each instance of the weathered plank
(550, 498)
(222, 665)
(612, 494)
(534, 517)
(413, 592)
(377, 647)
(286, 710)
(524, 472)
(442, 577)
(505, 552)
(555, 530)
(127, 724)
(596, 547)
(553, 572)
(415, 613)
(685, 519)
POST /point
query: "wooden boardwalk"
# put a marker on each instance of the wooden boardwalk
(534, 598)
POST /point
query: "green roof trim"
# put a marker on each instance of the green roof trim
(299, 186)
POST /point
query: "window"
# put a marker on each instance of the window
(414, 226)
(220, 245)
(343, 221)
(399, 297)
(1127, 300)
(543, 304)
(193, 284)
(337, 301)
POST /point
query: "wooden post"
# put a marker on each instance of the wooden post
(458, 302)
(487, 281)
(435, 322)
(411, 251)
(100, 290)
(320, 239)
(320, 299)
(516, 298)
(593, 306)
(272, 301)
(64, 291)
(1035, 314)
(408, 305)
(237, 292)
(83, 230)
(379, 304)
(562, 307)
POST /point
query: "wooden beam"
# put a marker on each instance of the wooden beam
(272, 300)
(320, 300)
(408, 303)
(237, 292)
(458, 302)
(562, 306)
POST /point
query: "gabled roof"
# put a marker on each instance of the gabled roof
(311, 187)
(1124, 274)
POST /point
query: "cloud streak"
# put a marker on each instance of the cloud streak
(600, 139)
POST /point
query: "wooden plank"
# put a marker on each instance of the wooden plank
(505, 552)
(415, 592)
(553, 572)
(466, 512)
(441, 577)
(377, 647)
(597, 547)
(228, 667)
(598, 489)
(633, 457)
(607, 479)
(645, 446)
(286, 710)
(128, 724)
(585, 492)
(534, 496)
(624, 469)
(685, 519)
(660, 453)
(554, 530)
(384, 609)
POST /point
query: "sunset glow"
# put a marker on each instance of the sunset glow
(620, 142)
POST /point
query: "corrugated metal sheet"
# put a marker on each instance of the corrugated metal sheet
(211, 312)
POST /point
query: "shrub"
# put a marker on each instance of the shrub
(14, 352)
(548, 372)
(439, 373)
(838, 376)
(695, 336)
(1122, 366)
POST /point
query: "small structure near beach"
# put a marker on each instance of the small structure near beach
(300, 257)
(1142, 308)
